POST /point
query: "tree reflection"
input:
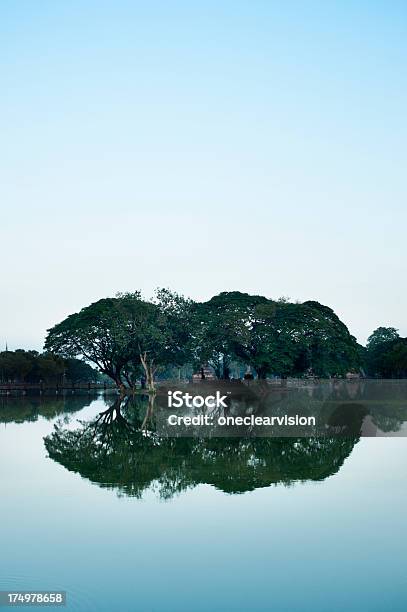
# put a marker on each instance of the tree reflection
(120, 449)
(28, 408)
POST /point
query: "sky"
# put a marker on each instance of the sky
(203, 146)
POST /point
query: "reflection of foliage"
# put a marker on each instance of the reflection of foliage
(115, 451)
(385, 401)
(389, 416)
(346, 419)
(29, 408)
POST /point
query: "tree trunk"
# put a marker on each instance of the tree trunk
(150, 378)
(149, 370)
(131, 384)
(225, 369)
(226, 373)
(116, 379)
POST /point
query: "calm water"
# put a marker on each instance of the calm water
(122, 522)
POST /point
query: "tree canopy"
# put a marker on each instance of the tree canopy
(22, 366)
(273, 337)
(386, 354)
(125, 335)
(381, 335)
(128, 337)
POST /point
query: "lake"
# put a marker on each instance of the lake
(125, 521)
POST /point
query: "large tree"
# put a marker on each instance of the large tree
(386, 354)
(123, 336)
(331, 349)
(99, 334)
(273, 337)
(126, 335)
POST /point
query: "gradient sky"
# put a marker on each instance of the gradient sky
(204, 146)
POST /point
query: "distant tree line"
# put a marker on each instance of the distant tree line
(386, 354)
(32, 367)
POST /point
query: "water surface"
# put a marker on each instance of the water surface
(122, 523)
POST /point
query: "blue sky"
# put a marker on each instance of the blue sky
(204, 146)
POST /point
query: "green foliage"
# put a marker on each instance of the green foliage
(126, 336)
(30, 407)
(381, 335)
(273, 337)
(329, 346)
(15, 366)
(176, 317)
(219, 328)
(113, 451)
(78, 371)
(103, 333)
(32, 367)
(386, 354)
